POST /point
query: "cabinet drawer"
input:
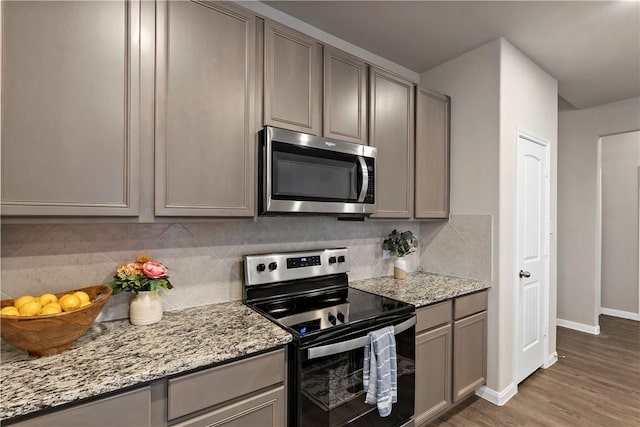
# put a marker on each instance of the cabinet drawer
(470, 304)
(433, 315)
(263, 410)
(127, 409)
(207, 388)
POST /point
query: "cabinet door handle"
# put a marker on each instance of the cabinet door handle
(524, 273)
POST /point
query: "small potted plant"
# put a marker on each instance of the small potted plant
(144, 278)
(400, 245)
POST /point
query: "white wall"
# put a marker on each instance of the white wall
(578, 135)
(472, 81)
(494, 90)
(620, 164)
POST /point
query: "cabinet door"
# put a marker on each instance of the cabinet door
(432, 155)
(345, 96)
(262, 410)
(469, 354)
(391, 132)
(292, 83)
(433, 373)
(205, 94)
(70, 108)
(126, 409)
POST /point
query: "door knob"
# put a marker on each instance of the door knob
(524, 273)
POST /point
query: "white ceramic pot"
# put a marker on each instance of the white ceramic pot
(146, 308)
(400, 268)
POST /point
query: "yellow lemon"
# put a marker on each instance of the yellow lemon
(84, 304)
(47, 298)
(10, 311)
(22, 301)
(32, 308)
(69, 302)
(51, 308)
(84, 298)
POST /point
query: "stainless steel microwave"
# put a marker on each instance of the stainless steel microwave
(302, 173)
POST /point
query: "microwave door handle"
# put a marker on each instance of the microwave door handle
(342, 347)
(365, 179)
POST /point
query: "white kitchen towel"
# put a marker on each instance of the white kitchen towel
(380, 370)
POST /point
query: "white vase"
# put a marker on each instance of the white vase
(400, 268)
(146, 308)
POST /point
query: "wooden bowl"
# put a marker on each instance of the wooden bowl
(53, 333)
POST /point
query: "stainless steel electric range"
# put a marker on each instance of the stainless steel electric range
(308, 294)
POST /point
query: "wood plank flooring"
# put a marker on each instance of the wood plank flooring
(596, 384)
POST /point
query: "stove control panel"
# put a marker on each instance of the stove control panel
(280, 267)
(304, 261)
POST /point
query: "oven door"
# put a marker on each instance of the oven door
(307, 174)
(327, 388)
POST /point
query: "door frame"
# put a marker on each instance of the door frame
(545, 362)
(598, 248)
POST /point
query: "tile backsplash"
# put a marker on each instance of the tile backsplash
(205, 258)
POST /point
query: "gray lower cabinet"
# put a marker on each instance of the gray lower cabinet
(345, 96)
(128, 409)
(205, 96)
(70, 108)
(433, 361)
(208, 391)
(469, 344)
(432, 155)
(451, 354)
(247, 392)
(292, 69)
(391, 131)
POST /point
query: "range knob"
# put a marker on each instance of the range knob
(341, 317)
(273, 266)
(332, 319)
(332, 260)
(260, 267)
(341, 258)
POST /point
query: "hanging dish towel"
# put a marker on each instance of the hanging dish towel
(380, 371)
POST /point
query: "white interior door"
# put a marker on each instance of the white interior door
(531, 256)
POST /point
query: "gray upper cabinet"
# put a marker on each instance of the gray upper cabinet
(391, 115)
(292, 68)
(70, 108)
(345, 96)
(432, 155)
(205, 95)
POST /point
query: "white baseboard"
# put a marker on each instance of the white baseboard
(619, 313)
(551, 359)
(495, 397)
(594, 330)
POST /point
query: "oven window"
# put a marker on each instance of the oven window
(303, 176)
(331, 392)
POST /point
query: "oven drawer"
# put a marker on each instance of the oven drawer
(203, 389)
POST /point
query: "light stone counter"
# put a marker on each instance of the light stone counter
(420, 288)
(114, 355)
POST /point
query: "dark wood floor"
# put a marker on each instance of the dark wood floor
(597, 383)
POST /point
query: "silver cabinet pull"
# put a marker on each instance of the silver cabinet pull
(524, 273)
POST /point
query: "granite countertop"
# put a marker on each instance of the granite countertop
(420, 288)
(113, 355)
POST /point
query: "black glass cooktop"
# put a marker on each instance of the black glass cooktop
(339, 310)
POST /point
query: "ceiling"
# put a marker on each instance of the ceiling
(591, 47)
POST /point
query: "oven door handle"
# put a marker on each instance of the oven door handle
(342, 347)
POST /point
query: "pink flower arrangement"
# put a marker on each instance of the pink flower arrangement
(142, 275)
